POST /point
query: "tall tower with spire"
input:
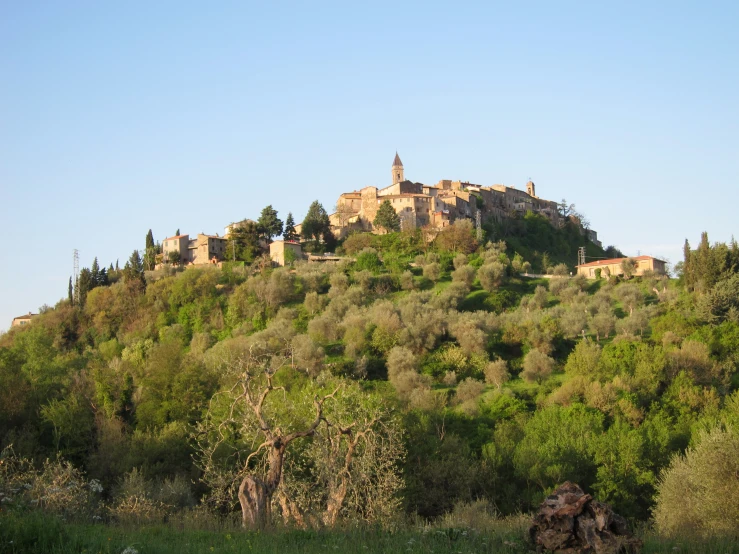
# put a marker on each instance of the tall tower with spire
(397, 170)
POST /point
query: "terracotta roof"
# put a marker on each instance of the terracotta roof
(612, 261)
(177, 237)
(397, 161)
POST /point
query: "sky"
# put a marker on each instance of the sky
(117, 118)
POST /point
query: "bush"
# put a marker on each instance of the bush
(698, 494)
(356, 242)
(368, 260)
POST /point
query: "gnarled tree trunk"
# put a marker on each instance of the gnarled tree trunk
(255, 503)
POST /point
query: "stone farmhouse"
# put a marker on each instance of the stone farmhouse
(613, 267)
(205, 249)
(437, 206)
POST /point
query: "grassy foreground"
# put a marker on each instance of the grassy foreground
(32, 533)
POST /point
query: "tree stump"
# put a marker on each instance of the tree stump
(571, 522)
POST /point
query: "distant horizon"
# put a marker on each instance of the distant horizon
(117, 119)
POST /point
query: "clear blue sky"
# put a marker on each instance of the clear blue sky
(120, 117)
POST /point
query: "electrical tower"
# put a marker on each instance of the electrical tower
(76, 265)
(581, 255)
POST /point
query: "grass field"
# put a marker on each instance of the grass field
(43, 534)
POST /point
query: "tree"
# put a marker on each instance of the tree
(496, 373)
(721, 302)
(133, 272)
(254, 412)
(613, 252)
(150, 252)
(387, 218)
(432, 271)
(173, 257)
(565, 209)
(316, 223)
(269, 224)
(459, 237)
(628, 266)
(343, 211)
(698, 494)
(70, 292)
(289, 233)
(95, 273)
(84, 285)
(244, 241)
(537, 366)
(491, 275)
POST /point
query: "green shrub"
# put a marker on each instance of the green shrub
(698, 494)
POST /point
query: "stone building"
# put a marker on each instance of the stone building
(278, 248)
(22, 320)
(613, 267)
(435, 206)
(205, 249)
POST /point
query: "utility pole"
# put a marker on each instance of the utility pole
(581, 255)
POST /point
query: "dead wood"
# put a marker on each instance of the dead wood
(571, 522)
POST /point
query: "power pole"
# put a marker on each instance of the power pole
(581, 255)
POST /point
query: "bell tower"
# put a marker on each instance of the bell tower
(398, 176)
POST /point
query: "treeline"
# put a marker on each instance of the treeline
(473, 382)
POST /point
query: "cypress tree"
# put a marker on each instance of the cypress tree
(84, 285)
(289, 233)
(70, 292)
(316, 223)
(149, 240)
(688, 266)
(95, 273)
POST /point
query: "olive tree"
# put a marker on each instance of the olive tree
(249, 429)
(491, 275)
(537, 366)
(496, 373)
(698, 494)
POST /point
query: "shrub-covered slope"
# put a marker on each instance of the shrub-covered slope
(497, 387)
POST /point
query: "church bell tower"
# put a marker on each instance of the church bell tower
(397, 170)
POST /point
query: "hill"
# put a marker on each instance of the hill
(460, 380)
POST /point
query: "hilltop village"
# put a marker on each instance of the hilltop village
(429, 207)
(437, 206)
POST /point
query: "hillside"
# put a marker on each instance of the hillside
(461, 380)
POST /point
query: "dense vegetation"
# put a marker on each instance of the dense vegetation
(473, 385)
